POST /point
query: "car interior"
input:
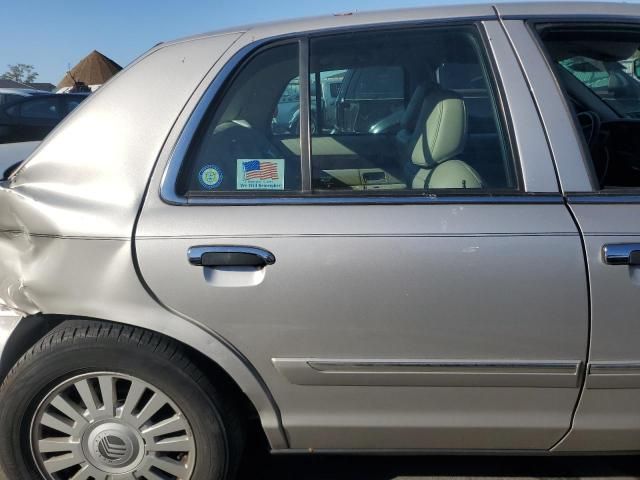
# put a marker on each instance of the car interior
(444, 134)
(597, 69)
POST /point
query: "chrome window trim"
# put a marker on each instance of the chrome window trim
(168, 182)
(569, 18)
(305, 116)
(592, 198)
(488, 199)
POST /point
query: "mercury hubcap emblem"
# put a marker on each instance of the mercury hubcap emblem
(113, 447)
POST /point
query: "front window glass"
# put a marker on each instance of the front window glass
(614, 81)
(599, 68)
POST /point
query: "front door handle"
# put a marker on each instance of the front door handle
(621, 254)
(230, 256)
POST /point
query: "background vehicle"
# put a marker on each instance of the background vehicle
(287, 118)
(8, 95)
(369, 96)
(32, 118)
(465, 282)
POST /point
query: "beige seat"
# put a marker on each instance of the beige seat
(438, 138)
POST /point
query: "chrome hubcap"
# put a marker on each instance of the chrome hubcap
(108, 426)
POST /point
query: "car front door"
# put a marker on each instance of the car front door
(606, 205)
(438, 310)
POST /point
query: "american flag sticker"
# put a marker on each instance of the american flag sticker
(260, 174)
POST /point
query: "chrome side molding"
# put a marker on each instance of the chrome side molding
(613, 375)
(429, 373)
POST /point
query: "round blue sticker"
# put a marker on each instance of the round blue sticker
(210, 177)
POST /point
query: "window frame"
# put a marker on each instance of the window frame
(224, 79)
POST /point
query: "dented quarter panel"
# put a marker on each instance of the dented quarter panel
(86, 181)
(67, 217)
(99, 281)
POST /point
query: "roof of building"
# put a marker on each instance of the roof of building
(94, 69)
(4, 83)
(46, 86)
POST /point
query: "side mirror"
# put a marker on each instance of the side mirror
(636, 68)
(11, 170)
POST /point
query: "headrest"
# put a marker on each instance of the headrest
(444, 132)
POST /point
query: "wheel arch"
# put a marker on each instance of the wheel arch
(211, 355)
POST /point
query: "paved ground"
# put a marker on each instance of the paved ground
(262, 467)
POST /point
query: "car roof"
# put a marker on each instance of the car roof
(53, 95)
(30, 98)
(546, 9)
(24, 92)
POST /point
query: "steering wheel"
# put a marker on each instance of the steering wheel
(590, 124)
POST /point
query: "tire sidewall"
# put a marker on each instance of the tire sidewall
(24, 390)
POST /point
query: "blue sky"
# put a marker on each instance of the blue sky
(50, 35)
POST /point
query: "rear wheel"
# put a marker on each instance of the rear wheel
(100, 401)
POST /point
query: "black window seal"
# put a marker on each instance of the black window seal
(305, 115)
(446, 197)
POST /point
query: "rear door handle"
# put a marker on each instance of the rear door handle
(621, 254)
(229, 256)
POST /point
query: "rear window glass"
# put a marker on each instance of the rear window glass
(249, 141)
(398, 112)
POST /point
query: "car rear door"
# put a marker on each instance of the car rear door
(608, 415)
(386, 317)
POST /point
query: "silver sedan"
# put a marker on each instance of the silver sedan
(443, 256)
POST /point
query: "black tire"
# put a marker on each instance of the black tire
(80, 347)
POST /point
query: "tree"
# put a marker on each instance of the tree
(20, 72)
